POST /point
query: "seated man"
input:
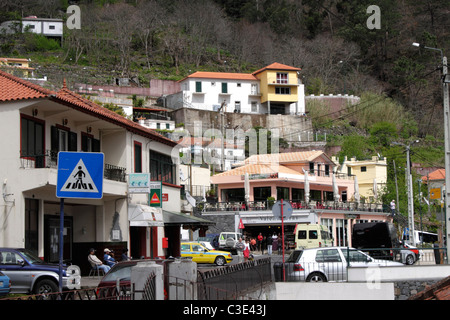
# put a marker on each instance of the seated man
(109, 260)
(95, 262)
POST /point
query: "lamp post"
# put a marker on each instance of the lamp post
(445, 83)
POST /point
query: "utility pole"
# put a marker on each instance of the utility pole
(445, 83)
(410, 197)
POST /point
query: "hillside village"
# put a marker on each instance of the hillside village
(214, 149)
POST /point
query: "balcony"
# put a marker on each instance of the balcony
(49, 159)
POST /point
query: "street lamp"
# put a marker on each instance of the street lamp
(445, 82)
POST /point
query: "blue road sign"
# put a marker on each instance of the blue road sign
(80, 175)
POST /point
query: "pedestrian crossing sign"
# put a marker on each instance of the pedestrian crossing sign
(80, 175)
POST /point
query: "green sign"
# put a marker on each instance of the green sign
(155, 195)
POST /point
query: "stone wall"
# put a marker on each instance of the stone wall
(291, 127)
(405, 289)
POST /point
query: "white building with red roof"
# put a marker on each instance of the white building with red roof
(274, 89)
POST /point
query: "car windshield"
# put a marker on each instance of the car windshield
(31, 257)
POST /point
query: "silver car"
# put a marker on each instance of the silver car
(328, 264)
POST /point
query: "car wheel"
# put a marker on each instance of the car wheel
(316, 277)
(220, 261)
(45, 286)
(410, 259)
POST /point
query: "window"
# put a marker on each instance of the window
(238, 85)
(32, 139)
(137, 157)
(62, 139)
(161, 168)
(198, 86)
(51, 27)
(261, 193)
(301, 234)
(282, 90)
(254, 106)
(237, 106)
(224, 87)
(311, 167)
(313, 234)
(282, 193)
(282, 77)
(363, 169)
(89, 144)
(329, 255)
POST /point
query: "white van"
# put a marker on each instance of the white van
(312, 236)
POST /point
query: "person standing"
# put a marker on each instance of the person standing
(240, 247)
(260, 240)
(393, 207)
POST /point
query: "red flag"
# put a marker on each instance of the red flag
(241, 225)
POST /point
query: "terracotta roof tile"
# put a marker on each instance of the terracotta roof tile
(286, 157)
(438, 174)
(257, 169)
(277, 66)
(13, 88)
(222, 75)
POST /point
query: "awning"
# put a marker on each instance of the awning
(141, 215)
(177, 219)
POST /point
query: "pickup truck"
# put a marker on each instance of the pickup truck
(29, 274)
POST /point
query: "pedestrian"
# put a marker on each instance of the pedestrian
(240, 246)
(247, 250)
(269, 245)
(280, 243)
(253, 244)
(95, 262)
(263, 244)
(274, 243)
(260, 239)
(107, 257)
(125, 256)
(393, 207)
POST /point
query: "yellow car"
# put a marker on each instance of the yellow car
(201, 254)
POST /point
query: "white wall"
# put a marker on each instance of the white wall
(333, 291)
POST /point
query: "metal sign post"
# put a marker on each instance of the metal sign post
(282, 210)
(80, 176)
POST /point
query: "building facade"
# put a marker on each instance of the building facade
(274, 89)
(39, 123)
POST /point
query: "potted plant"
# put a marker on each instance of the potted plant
(270, 202)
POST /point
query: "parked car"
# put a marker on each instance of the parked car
(28, 273)
(410, 255)
(201, 254)
(120, 271)
(328, 264)
(5, 284)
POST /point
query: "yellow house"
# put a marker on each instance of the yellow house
(279, 85)
(17, 66)
(370, 174)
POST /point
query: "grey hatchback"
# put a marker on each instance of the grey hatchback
(328, 264)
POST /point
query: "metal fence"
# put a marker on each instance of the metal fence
(234, 280)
